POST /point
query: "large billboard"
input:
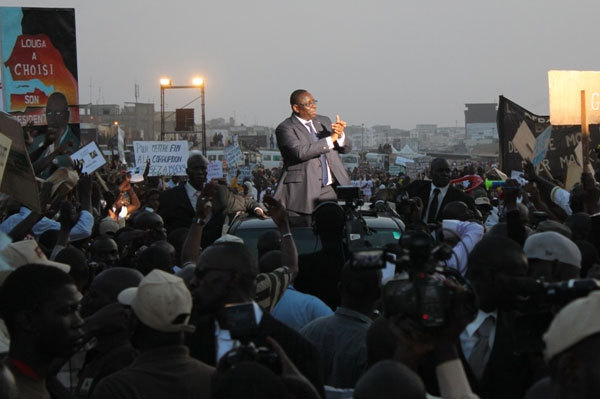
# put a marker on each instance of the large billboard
(39, 58)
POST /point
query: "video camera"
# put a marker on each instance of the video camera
(240, 320)
(536, 305)
(356, 226)
(422, 296)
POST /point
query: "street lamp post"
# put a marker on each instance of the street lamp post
(197, 83)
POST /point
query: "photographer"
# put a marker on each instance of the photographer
(226, 274)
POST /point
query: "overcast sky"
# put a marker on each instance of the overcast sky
(374, 62)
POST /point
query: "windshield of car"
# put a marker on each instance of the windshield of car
(307, 242)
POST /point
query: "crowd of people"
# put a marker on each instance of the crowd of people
(129, 286)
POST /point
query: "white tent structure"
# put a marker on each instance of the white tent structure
(409, 153)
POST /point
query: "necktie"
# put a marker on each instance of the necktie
(322, 158)
(481, 350)
(433, 206)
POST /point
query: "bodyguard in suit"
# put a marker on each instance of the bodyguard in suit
(487, 345)
(310, 145)
(178, 204)
(437, 193)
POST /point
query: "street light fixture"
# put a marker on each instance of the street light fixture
(197, 83)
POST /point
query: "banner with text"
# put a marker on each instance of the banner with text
(518, 131)
(167, 158)
(39, 58)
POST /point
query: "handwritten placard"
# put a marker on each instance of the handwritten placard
(167, 158)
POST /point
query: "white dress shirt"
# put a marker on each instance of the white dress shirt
(441, 195)
(330, 144)
(192, 194)
(224, 341)
(468, 339)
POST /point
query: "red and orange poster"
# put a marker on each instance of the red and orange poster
(39, 58)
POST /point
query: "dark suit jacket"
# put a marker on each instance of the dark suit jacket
(507, 374)
(422, 189)
(299, 185)
(302, 353)
(175, 208)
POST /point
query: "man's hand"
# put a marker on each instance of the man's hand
(68, 216)
(84, 184)
(511, 191)
(276, 210)
(209, 191)
(529, 171)
(126, 185)
(109, 319)
(534, 193)
(203, 207)
(338, 128)
(260, 213)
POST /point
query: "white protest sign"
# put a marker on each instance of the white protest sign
(167, 158)
(214, 170)
(245, 172)
(233, 154)
(91, 156)
(565, 96)
(518, 176)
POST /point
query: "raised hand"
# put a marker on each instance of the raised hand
(276, 210)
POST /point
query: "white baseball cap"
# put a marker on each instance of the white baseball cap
(550, 245)
(575, 322)
(159, 302)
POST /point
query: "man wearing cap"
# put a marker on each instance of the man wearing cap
(552, 256)
(161, 307)
(573, 349)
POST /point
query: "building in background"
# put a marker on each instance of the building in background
(480, 121)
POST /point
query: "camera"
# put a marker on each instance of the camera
(240, 320)
(422, 296)
(536, 304)
(348, 193)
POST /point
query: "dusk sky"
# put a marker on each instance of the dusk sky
(373, 62)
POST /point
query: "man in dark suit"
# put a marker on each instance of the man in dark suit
(178, 204)
(487, 345)
(309, 144)
(437, 193)
(226, 274)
